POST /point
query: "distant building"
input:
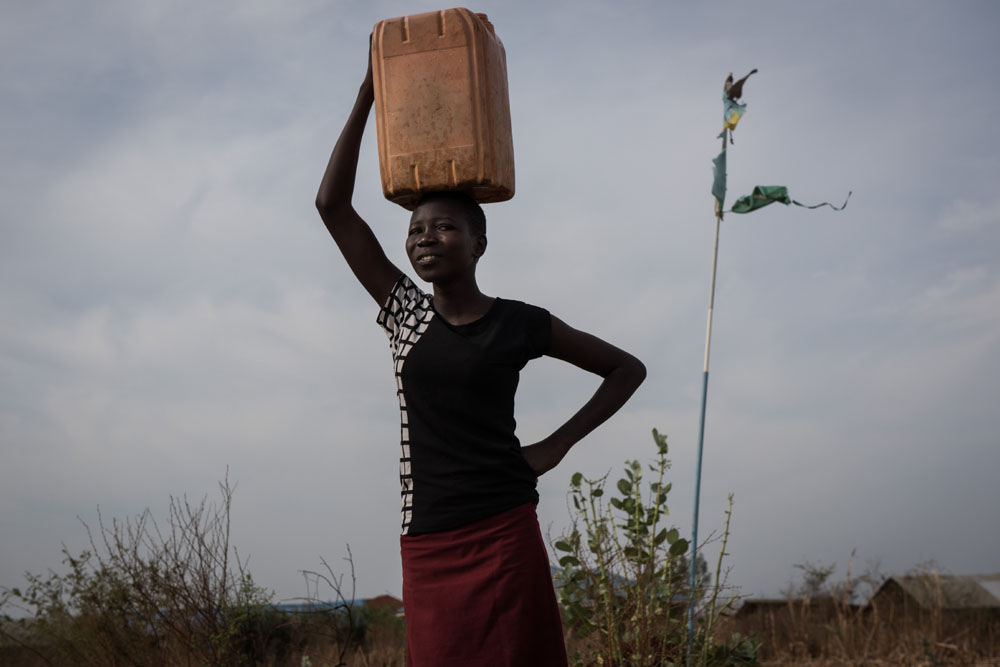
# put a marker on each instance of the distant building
(378, 603)
(945, 592)
(387, 603)
(904, 610)
(819, 607)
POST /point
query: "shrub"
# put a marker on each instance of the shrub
(624, 579)
(146, 594)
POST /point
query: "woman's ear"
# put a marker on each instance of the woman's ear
(479, 249)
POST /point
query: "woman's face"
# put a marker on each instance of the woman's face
(440, 245)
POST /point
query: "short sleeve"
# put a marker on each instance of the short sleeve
(403, 300)
(405, 316)
(538, 330)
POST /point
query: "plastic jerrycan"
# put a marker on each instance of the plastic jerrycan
(441, 107)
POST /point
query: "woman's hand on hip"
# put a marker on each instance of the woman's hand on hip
(543, 456)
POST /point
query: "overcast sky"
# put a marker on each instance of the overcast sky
(172, 306)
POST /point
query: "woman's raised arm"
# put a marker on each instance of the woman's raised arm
(334, 201)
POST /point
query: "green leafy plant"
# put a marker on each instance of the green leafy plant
(623, 582)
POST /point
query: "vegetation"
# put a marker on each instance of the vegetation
(827, 622)
(147, 594)
(624, 584)
(178, 593)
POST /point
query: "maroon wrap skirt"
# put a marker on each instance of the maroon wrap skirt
(481, 596)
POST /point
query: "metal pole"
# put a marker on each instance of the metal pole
(701, 432)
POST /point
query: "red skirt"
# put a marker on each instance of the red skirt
(481, 596)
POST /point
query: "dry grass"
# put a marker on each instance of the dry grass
(827, 632)
(816, 635)
(804, 635)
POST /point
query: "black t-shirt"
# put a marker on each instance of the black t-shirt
(460, 460)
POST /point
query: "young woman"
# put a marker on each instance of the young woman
(477, 589)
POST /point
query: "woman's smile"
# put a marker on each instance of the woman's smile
(439, 243)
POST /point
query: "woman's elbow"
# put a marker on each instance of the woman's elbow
(634, 370)
(330, 201)
(324, 205)
(331, 210)
(640, 372)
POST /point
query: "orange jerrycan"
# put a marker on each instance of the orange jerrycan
(441, 107)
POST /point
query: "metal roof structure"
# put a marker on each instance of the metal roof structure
(947, 591)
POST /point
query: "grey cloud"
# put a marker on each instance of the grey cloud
(173, 306)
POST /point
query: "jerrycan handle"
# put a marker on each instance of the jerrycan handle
(486, 21)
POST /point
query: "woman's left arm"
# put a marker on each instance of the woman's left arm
(622, 375)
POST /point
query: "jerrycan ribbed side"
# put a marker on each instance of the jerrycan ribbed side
(442, 109)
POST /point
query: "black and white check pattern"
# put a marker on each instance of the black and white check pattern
(405, 318)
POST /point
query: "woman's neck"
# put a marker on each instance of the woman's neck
(460, 303)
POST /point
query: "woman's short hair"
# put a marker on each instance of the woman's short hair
(473, 211)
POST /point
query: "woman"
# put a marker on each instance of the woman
(477, 588)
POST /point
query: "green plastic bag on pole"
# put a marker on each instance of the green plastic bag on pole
(763, 195)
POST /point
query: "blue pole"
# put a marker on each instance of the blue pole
(694, 523)
(701, 436)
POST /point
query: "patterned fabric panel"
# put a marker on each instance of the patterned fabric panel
(405, 318)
